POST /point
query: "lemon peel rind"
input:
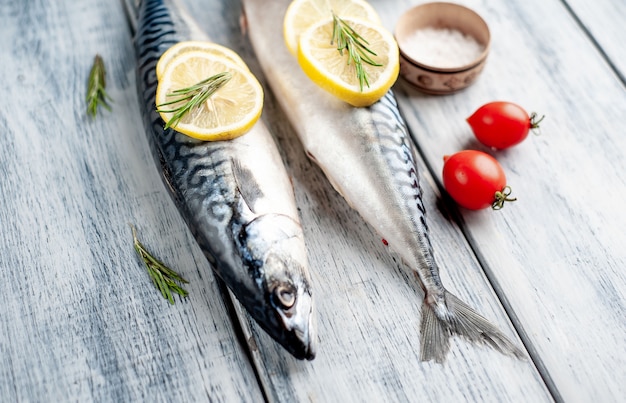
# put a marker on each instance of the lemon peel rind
(192, 46)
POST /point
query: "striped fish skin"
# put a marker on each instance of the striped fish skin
(367, 155)
(235, 197)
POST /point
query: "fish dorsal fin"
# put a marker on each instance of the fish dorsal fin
(247, 187)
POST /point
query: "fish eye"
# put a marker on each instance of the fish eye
(284, 296)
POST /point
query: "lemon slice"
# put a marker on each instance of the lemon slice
(230, 112)
(211, 48)
(336, 73)
(301, 14)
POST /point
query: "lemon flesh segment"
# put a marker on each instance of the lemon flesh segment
(302, 14)
(336, 73)
(230, 112)
(211, 48)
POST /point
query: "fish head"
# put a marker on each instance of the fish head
(291, 306)
(282, 302)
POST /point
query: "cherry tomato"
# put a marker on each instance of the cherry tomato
(502, 124)
(475, 180)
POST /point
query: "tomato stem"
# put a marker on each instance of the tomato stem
(502, 196)
(534, 122)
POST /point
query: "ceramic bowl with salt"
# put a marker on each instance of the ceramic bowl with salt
(443, 47)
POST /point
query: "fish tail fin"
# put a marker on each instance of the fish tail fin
(444, 317)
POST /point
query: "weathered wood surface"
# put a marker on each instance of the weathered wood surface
(604, 21)
(80, 320)
(557, 256)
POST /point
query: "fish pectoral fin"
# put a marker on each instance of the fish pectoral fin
(247, 186)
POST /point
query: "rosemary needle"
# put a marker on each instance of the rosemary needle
(163, 278)
(194, 96)
(357, 47)
(96, 85)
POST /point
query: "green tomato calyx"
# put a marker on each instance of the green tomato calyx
(501, 197)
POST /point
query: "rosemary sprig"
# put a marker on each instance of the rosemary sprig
(357, 47)
(96, 85)
(194, 96)
(162, 276)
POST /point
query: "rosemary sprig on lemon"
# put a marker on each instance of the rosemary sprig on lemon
(302, 14)
(188, 98)
(357, 47)
(207, 92)
(320, 28)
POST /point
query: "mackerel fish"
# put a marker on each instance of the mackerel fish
(368, 157)
(234, 195)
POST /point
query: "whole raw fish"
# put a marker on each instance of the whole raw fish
(367, 155)
(235, 196)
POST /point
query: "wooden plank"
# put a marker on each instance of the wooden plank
(368, 310)
(557, 254)
(604, 20)
(79, 318)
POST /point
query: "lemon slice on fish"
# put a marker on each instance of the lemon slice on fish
(301, 14)
(211, 48)
(336, 72)
(230, 112)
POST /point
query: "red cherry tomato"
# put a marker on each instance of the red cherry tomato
(475, 180)
(502, 124)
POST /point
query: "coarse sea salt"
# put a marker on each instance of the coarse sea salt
(442, 47)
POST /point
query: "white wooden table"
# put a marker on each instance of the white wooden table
(80, 320)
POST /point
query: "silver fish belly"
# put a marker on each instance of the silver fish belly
(368, 157)
(235, 197)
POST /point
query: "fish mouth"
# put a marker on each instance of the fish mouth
(298, 328)
(303, 340)
(293, 328)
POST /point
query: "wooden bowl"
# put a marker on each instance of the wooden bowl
(464, 40)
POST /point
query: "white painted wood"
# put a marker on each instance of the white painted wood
(556, 255)
(604, 20)
(79, 318)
